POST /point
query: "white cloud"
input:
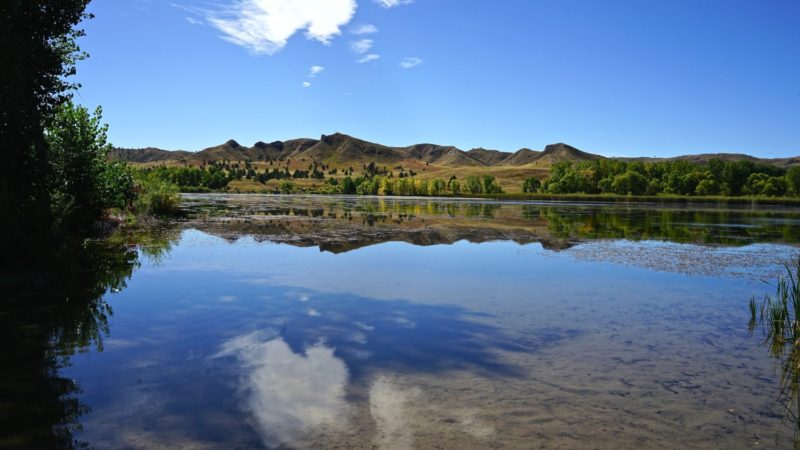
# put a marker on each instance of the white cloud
(368, 58)
(194, 21)
(306, 84)
(408, 63)
(289, 394)
(312, 72)
(361, 46)
(313, 312)
(367, 28)
(265, 26)
(393, 3)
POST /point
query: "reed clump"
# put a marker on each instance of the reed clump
(778, 316)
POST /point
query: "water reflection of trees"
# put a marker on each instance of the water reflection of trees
(53, 308)
(726, 227)
(556, 225)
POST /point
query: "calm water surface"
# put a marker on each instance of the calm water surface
(352, 322)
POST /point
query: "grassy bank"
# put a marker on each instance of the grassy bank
(663, 199)
(599, 198)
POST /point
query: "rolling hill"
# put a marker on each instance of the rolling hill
(146, 155)
(342, 150)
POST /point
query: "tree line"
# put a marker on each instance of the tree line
(374, 181)
(381, 185)
(717, 177)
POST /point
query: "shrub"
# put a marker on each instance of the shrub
(156, 196)
(82, 183)
(286, 187)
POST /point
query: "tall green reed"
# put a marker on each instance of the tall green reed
(779, 318)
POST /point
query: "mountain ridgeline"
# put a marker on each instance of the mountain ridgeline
(344, 149)
(341, 149)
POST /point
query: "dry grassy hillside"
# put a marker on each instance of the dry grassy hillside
(426, 161)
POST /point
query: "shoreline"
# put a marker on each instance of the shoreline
(588, 198)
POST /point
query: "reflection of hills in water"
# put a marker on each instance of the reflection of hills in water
(339, 224)
(56, 297)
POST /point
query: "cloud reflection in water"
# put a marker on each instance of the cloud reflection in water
(288, 393)
(389, 407)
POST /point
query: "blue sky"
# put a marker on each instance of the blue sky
(617, 77)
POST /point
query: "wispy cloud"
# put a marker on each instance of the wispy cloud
(393, 3)
(313, 72)
(368, 58)
(194, 21)
(265, 26)
(361, 46)
(306, 84)
(366, 28)
(408, 63)
(364, 45)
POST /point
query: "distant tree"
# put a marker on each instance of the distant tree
(654, 187)
(474, 185)
(286, 187)
(774, 187)
(368, 186)
(531, 184)
(735, 176)
(755, 183)
(707, 187)
(490, 186)
(630, 183)
(793, 181)
(454, 186)
(386, 187)
(436, 187)
(420, 187)
(348, 186)
(371, 169)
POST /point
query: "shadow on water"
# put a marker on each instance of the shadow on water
(409, 337)
(53, 308)
(370, 334)
(306, 350)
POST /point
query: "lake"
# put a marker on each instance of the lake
(381, 322)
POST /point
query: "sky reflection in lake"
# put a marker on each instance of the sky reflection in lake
(240, 341)
(286, 392)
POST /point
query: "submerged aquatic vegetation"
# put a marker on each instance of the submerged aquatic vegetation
(779, 317)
